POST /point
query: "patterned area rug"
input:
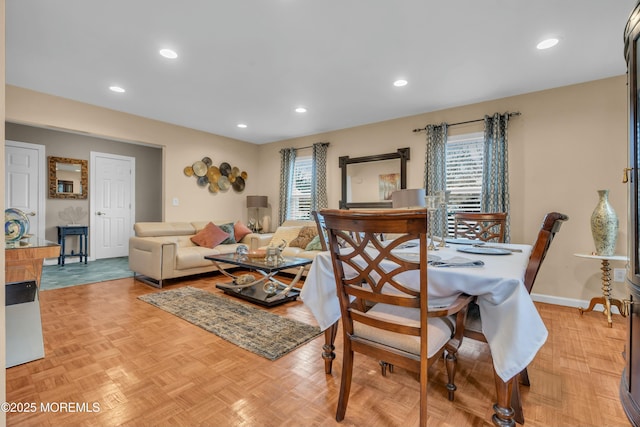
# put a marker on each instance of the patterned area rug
(263, 333)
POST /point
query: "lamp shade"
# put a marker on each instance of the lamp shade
(408, 198)
(257, 202)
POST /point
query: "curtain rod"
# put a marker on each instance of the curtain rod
(309, 146)
(517, 113)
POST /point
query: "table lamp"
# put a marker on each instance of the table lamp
(408, 198)
(256, 202)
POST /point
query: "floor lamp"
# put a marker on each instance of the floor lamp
(256, 202)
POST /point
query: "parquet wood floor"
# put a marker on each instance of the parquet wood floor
(145, 367)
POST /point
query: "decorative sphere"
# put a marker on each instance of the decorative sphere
(16, 225)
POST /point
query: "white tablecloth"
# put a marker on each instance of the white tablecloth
(511, 323)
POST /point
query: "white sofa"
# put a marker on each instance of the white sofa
(164, 250)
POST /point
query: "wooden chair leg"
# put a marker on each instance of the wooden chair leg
(451, 361)
(383, 367)
(327, 349)
(345, 383)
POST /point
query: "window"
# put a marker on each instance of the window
(300, 203)
(465, 154)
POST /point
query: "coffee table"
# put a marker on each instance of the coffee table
(264, 290)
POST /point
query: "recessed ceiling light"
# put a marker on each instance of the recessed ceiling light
(168, 53)
(546, 44)
(400, 83)
(117, 89)
(242, 125)
(301, 110)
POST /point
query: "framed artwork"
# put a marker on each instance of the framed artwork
(387, 184)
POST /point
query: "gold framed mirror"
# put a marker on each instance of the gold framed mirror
(68, 178)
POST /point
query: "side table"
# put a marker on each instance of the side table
(605, 299)
(82, 231)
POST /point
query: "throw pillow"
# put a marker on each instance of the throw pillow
(240, 230)
(304, 237)
(228, 228)
(210, 236)
(314, 245)
(285, 233)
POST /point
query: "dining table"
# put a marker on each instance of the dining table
(494, 273)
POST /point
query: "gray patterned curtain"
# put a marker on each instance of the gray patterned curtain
(435, 167)
(287, 163)
(495, 177)
(319, 176)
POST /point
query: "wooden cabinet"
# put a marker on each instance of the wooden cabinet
(630, 382)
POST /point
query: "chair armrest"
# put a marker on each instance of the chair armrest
(460, 303)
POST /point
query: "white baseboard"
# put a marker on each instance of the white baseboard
(569, 302)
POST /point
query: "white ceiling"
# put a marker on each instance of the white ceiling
(254, 61)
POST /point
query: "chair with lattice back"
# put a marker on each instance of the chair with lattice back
(473, 324)
(480, 226)
(322, 230)
(384, 315)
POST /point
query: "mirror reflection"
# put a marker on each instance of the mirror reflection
(372, 182)
(67, 178)
(367, 182)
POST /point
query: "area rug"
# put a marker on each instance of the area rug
(263, 333)
(78, 273)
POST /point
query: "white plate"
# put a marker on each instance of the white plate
(464, 241)
(413, 256)
(484, 251)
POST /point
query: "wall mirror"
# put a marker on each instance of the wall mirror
(367, 182)
(67, 178)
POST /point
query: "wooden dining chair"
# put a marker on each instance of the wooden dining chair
(383, 316)
(322, 229)
(473, 323)
(480, 226)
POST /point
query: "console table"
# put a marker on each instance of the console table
(23, 267)
(82, 231)
(605, 299)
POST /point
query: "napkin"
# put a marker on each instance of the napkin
(457, 262)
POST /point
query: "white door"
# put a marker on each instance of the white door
(112, 207)
(25, 185)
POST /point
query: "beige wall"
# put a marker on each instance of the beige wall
(567, 144)
(148, 185)
(181, 148)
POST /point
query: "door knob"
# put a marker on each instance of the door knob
(31, 213)
(100, 213)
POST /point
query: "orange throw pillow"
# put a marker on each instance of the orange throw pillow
(210, 236)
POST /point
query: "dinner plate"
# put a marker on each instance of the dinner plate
(464, 241)
(414, 256)
(484, 251)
